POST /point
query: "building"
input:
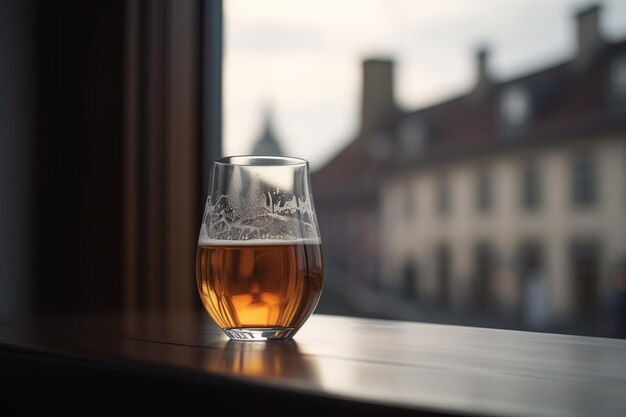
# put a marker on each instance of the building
(267, 143)
(508, 199)
(347, 188)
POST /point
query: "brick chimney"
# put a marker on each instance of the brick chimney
(378, 101)
(589, 35)
(483, 76)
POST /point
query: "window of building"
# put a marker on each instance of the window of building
(443, 197)
(444, 267)
(484, 197)
(618, 77)
(534, 305)
(410, 277)
(409, 201)
(484, 266)
(584, 187)
(515, 106)
(413, 136)
(584, 264)
(531, 194)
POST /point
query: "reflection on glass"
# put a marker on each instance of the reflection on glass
(282, 359)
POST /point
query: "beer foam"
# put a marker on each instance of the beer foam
(205, 241)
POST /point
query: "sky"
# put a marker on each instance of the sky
(302, 58)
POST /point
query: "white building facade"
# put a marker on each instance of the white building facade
(540, 247)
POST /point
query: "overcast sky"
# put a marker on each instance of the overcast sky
(303, 58)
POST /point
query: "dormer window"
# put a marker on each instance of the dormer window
(413, 137)
(618, 77)
(515, 106)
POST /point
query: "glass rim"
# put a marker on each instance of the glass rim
(260, 160)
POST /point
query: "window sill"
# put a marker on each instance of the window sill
(335, 365)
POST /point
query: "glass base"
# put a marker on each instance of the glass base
(260, 333)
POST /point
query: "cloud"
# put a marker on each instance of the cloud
(267, 37)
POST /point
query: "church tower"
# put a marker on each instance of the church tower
(267, 144)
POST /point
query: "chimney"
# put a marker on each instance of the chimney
(378, 100)
(589, 36)
(483, 76)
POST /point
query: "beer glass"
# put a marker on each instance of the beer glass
(259, 261)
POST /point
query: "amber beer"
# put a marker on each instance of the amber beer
(259, 283)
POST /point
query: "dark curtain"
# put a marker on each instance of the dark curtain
(115, 152)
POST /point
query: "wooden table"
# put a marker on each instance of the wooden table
(182, 364)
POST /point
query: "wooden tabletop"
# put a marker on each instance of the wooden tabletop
(414, 367)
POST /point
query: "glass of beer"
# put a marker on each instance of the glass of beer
(259, 262)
